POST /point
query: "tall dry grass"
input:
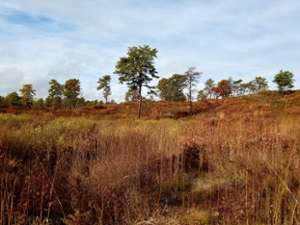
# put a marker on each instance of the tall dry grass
(215, 168)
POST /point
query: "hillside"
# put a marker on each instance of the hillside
(266, 102)
(234, 161)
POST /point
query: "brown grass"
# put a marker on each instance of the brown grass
(233, 163)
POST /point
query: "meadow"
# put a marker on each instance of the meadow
(235, 161)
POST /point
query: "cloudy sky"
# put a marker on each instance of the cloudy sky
(61, 39)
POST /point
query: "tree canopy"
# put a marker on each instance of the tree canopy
(171, 89)
(261, 84)
(71, 92)
(55, 93)
(13, 99)
(284, 80)
(27, 95)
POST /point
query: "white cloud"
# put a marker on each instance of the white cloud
(10, 78)
(221, 38)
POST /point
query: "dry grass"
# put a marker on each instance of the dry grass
(237, 165)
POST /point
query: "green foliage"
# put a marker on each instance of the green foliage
(13, 99)
(239, 88)
(2, 101)
(93, 103)
(171, 89)
(71, 92)
(137, 69)
(27, 95)
(39, 104)
(104, 85)
(55, 93)
(284, 80)
(81, 102)
(261, 84)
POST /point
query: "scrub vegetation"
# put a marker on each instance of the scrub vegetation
(233, 161)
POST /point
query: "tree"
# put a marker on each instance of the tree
(207, 91)
(112, 101)
(202, 95)
(236, 87)
(171, 89)
(137, 70)
(39, 104)
(2, 101)
(248, 88)
(81, 102)
(244, 88)
(192, 78)
(55, 93)
(27, 95)
(209, 84)
(284, 80)
(71, 92)
(104, 85)
(13, 99)
(261, 84)
(225, 88)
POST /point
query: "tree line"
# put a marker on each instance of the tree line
(137, 70)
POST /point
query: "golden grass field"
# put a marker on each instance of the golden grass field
(236, 162)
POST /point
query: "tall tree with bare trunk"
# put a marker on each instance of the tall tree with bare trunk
(104, 85)
(137, 70)
(192, 77)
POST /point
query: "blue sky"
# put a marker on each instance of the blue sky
(62, 39)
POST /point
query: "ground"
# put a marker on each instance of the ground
(234, 161)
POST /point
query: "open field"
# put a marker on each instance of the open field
(136, 112)
(236, 161)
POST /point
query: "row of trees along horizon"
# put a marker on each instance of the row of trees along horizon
(137, 71)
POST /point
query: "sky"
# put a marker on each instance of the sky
(42, 40)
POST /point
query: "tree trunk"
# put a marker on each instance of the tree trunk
(140, 101)
(190, 97)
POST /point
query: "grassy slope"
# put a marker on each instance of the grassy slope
(268, 101)
(101, 166)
